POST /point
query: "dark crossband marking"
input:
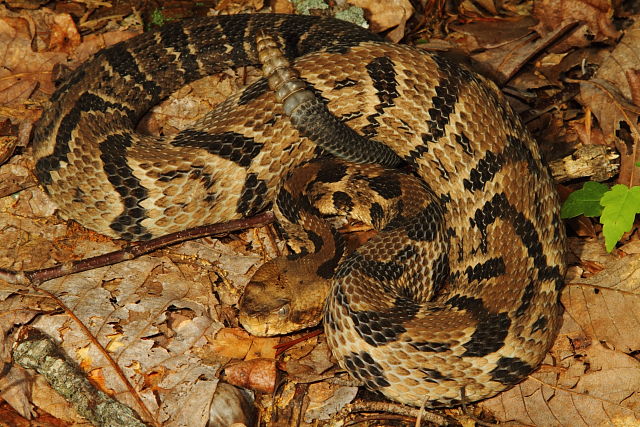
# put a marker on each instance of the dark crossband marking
(376, 213)
(175, 39)
(491, 330)
(113, 155)
(379, 270)
(440, 272)
(443, 106)
(527, 296)
(253, 198)
(431, 346)
(287, 206)
(350, 116)
(124, 64)
(383, 76)
(499, 207)
(510, 370)
(433, 376)
(540, 324)
(490, 165)
(463, 141)
(327, 269)
(489, 269)
(387, 186)
(489, 336)
(231, 146)
(427, 225)
(378, 327)
(381, 327)
(333, 174)
(87, 103)
(485, 170)
(341, 84)
(367, 370)
(342, 202)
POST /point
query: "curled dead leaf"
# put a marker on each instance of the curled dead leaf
(387, 14)
(609, 95)
(232, 406)
(256, 374)
(595, 17)
(236, 343)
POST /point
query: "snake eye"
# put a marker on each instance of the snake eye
(283, 311)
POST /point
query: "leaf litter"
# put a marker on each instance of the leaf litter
(168, 319)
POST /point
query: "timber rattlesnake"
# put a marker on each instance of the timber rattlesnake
(460, 289)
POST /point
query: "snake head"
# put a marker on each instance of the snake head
(280, 299)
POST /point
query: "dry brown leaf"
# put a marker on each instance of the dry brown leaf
(15, 176)
(593, 15)
(127, 313)
(15, 385)
(15, 389)
(255, 374)
(598, 387)
(605, 304)
(608, 94)
(505, 60)
(23, 70)
(236, 343)
(325, 400)
(126, 307)
(239, 6)
(282, 6)
(387, 14)
(232, 406)
(233, 343)
(64, 36)
(488, 34)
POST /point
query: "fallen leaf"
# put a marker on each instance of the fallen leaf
(231, 405)
(490, 34)
(595, 388)
(255, 374)
(594, 17)
(609, 96)
(236, 343)
(605, 304)
(23, 70)
(325, 400)
(388, 14)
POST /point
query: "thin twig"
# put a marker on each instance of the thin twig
(36, 277)
(394, 408)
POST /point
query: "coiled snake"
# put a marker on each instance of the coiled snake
(458, 290)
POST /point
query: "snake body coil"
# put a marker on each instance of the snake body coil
(459, 289)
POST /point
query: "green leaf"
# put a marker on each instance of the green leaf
(585, 201)
(157, 18)
(621, 204)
